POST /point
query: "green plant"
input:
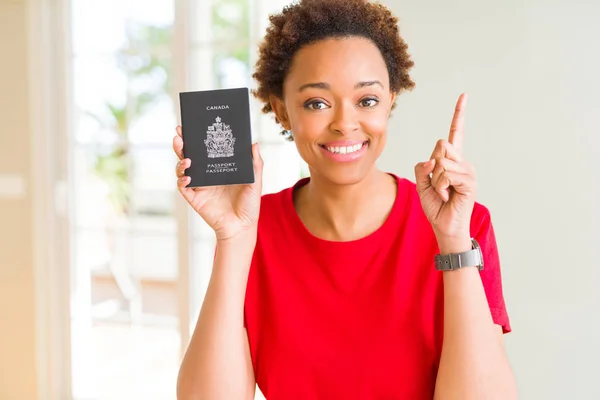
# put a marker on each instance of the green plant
(231, 32)
(145, 55)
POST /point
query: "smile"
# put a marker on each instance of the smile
(344, 151)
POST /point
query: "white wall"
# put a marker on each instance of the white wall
(532, 70)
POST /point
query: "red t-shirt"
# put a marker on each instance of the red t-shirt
(353, 320)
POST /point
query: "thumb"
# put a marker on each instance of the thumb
(422, 171)
(258, 164)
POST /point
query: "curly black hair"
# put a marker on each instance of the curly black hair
(309, 21)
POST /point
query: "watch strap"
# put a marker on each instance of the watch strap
(454, 261)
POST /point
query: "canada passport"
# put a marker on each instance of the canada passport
(216, 134)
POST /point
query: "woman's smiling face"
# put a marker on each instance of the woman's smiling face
(337, 103)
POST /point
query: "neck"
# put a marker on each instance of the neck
(346, 212)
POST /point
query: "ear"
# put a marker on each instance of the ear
(393, 98)
(280, 111)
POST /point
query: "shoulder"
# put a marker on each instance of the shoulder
(272, 206)
(278, 204)
(275, 201)
(481, 218)
(267, 201)
(281, 196)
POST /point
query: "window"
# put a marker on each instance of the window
(124, 315)
(129, 61)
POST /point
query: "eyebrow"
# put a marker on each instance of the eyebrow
(326, 86)
(368, 83)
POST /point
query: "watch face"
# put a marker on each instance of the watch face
(478, 248)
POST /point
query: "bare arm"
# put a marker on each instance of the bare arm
(217, 363)
(473, 364)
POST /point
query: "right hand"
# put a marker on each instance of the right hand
(230, 210)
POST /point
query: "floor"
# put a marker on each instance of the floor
(122, 361)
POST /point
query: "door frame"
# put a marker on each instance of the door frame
(181, 26)
(49, 115)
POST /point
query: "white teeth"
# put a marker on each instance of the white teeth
(344, 149)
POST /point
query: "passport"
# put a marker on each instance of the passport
(217, 137)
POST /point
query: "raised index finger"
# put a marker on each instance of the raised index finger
(457, 129)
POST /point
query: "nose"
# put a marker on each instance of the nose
(344, 119)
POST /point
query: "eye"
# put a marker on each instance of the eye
(369, 102)
(315, 105)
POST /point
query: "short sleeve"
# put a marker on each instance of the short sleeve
(482, 230)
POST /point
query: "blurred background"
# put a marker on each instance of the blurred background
(103, 267)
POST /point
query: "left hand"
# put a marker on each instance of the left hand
(446, 184)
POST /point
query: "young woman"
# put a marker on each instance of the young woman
(329, 289)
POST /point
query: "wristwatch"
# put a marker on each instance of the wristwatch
(454, 261)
